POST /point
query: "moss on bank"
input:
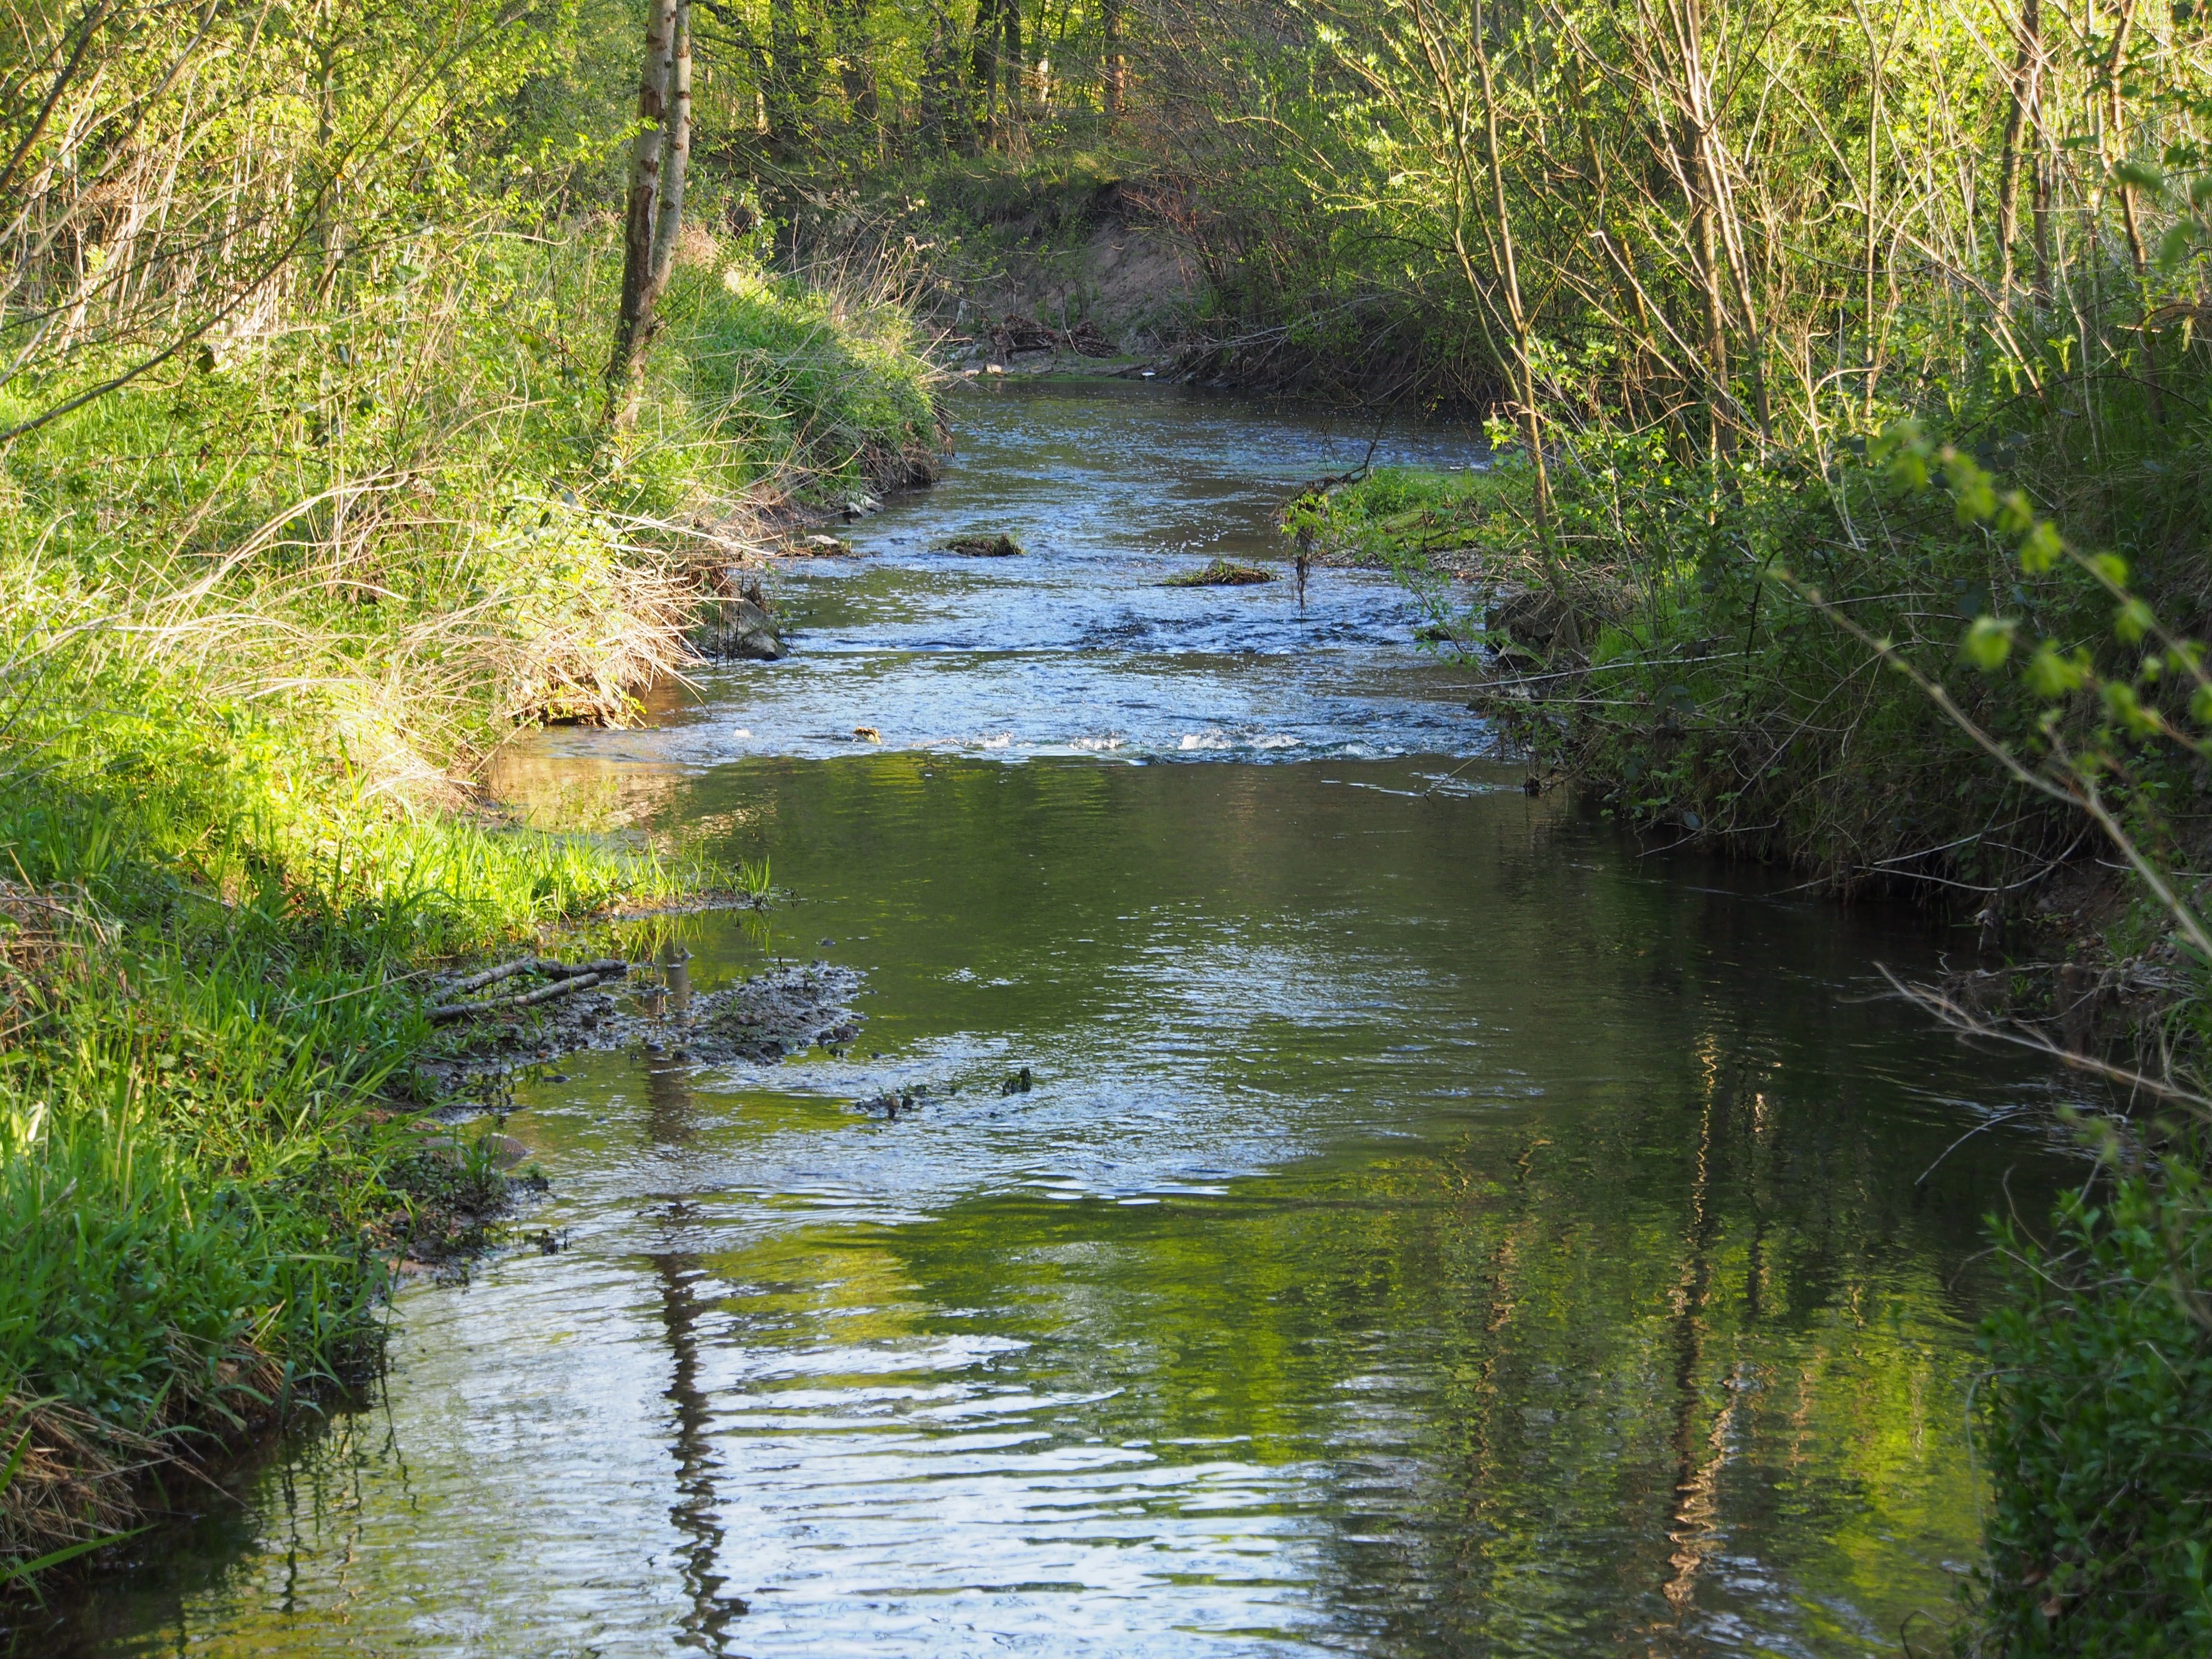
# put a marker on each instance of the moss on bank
(259, 617)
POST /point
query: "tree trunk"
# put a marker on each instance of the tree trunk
(1116, 72)
(940, 76)
(676, 157)
(1874, 61)
(983, 67)
(787, 75)
(856, 69)
(633, 321)
(2117, 145)
(2042, 226)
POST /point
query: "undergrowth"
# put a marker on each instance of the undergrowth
(2099, 1429)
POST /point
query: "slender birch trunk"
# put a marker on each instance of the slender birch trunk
(633, 321)
(676, 158)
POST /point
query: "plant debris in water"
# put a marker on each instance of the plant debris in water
(1221, 572)
(1000, 546)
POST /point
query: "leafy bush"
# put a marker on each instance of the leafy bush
(2097, 1416)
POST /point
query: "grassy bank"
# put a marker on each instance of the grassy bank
(261, 613)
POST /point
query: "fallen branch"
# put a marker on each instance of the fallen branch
(493, 975)
(567, 977)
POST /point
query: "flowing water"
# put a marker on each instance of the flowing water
(1436, 1225)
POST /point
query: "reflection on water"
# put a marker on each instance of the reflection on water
(1433, 1230)
(679, 1273)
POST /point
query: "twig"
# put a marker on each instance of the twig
(492, 977)
(1986, 1123)
(1959, 1019)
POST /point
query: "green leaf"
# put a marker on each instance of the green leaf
(2111, 567)
(2051, 675)
(2200, 705)
(1976, 492)
(1989, 641)
(2133, 620)
(2040, 549)
(2121, 701)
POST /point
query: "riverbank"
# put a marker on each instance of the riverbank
(1814, 665)
(1707, 656)
(263, 618)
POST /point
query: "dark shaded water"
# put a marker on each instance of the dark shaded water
(1434, 1228)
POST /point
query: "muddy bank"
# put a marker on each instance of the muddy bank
(760, 1020)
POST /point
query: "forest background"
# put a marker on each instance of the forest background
(1846, 382)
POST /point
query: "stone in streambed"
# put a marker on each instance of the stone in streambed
(741, 628)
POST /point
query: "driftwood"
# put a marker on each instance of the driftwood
(1019, 333)
(566, 977)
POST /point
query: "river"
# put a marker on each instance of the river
(1437, 1222)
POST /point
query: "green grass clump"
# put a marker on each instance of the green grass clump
(210, 931)
(1396, 513)
(832, 386)
(1220, 573)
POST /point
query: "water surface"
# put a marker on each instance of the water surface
(1436, 1224)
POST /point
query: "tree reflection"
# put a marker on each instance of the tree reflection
(677, 1273)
